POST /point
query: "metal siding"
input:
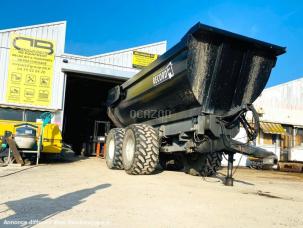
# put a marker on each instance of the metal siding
(3, 62)
(119, 60)
(86, 61)
(124, 57)
(282, 103)
(52, 31)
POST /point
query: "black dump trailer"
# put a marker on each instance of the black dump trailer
(187, 106)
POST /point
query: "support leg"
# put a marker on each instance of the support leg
(229, 180)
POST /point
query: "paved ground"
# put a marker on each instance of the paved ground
(86, 193)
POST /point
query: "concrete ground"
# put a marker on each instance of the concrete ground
(84, 193)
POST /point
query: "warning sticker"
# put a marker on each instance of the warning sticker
(16, 78)
(29, 93)
(142, 59)
(14, 91)
(30, 70)
(30, 79)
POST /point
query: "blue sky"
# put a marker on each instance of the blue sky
(95, 27)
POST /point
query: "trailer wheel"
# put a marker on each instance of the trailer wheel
(114, 144)
(140, 151)
(198, 164)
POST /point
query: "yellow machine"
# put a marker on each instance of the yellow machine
(52, 138)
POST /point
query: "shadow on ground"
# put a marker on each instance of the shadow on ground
(220, 177)
(66, 156)
(41, 207)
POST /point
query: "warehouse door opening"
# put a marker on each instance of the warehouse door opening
(85, 107)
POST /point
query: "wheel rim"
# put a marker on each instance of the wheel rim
(111, 149)
(130, 146)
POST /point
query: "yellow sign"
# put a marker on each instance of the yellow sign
(142, 59)
(30, 70)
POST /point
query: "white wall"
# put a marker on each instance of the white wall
(282, 103)
(124, 57)
(296, 154)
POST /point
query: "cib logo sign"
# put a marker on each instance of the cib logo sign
(20, 43)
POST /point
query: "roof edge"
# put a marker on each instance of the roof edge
(33, 26)
(129, 49)
(283, 84)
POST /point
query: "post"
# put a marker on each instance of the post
(229, 180)
(98, 149)
(13, 147)
(104, 151)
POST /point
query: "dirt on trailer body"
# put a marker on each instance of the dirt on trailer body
(86, 193)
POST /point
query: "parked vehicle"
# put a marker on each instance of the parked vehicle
(188, 105)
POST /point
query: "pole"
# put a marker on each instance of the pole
(229, 180)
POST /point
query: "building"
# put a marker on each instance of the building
(281, 115)
(36, 75)
(281, 122)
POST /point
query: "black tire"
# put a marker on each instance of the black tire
(140, 153)
(171, 162)
(198, 164)
(114, 142)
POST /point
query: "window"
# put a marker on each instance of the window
(19, 114)
(286, 141)
(32, 116)
(299, 137)
(288, 129)
(271, 139)
(11, 114)
(268, 139)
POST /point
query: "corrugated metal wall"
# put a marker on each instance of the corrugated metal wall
(118, 60)
(52, 31)
(87, 61)
(124, 57)
(282, 103)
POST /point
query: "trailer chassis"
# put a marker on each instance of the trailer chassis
(194, 131)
